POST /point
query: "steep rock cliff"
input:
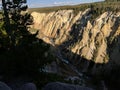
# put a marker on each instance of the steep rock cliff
(97, 39)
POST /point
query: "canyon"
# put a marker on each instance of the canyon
(85, 41)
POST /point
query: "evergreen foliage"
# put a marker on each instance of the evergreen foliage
(99, 7)
(20, 51)
(112, 0)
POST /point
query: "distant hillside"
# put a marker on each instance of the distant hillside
(100, 7)
(112, 0)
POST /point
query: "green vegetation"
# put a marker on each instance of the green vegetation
(21, 53)
(96, 8)
(113, 5)
(0, 14)
(112, 0)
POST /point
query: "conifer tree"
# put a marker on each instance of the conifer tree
(20, 51)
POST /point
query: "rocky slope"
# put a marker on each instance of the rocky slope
(78, 36)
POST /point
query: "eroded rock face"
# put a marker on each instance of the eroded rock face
(97, 40)
(97, 37)
(56, 25)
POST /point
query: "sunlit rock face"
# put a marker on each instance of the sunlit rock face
(55, 25)
(97, 40)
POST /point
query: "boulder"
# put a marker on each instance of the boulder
(3, 86)
(64, 86)
(28, 86)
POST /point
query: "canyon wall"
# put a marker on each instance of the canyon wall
(95, 39)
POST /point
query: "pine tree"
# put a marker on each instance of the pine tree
(20, 51)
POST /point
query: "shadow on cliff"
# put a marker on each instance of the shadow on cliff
(110, 72)
(77, 30)
(107, 72)
(112, 69)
